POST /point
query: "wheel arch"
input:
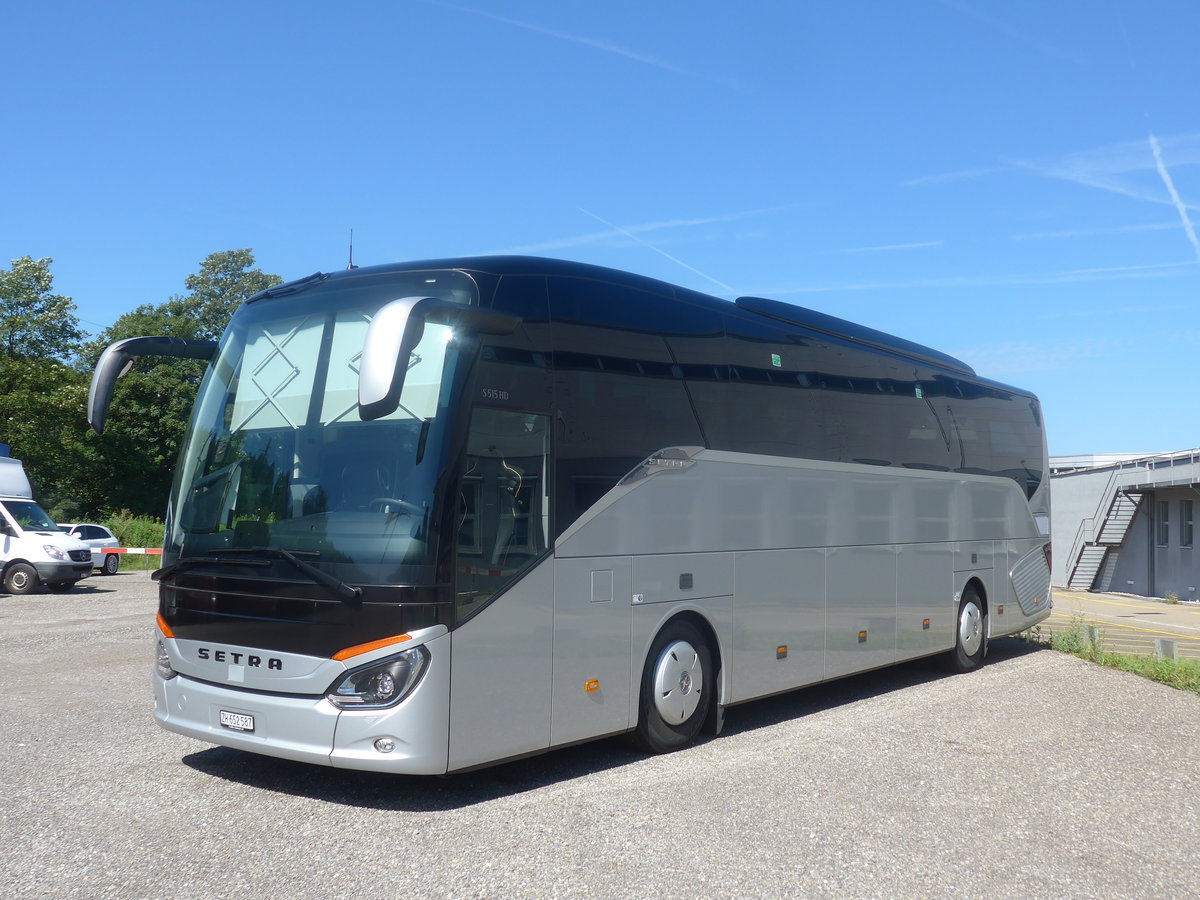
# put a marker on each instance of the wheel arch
(976, 584)
(9, 563)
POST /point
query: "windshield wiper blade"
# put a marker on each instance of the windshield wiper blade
(346, 591)
(190, 562)
(289, 287)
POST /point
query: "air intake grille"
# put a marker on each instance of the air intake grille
(1031, 581)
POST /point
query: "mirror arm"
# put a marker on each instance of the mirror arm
(119, 357)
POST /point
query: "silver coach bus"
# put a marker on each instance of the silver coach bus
(432, 516)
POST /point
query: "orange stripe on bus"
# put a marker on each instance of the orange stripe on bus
(359, 649)
(163, 626)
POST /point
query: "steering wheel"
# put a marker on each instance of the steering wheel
(395, 506)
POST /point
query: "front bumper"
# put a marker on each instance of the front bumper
(58, 572)
(311, 729)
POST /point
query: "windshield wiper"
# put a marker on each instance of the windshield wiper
(221, 557)
(289, 287)
(346, 591)
(190, 562)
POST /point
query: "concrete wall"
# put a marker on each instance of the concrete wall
(1176, 568)
(1073, 499)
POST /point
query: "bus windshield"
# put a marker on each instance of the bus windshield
(277, 457)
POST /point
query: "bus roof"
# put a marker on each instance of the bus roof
(780, 311)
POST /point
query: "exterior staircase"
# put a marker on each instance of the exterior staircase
(1108, 532)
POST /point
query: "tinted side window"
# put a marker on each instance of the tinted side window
(995, 432)
(513, 370)
(763, 404)
(619, 393)
(816, 398)
(874, 403)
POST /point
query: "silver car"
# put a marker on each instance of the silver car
(99, 539)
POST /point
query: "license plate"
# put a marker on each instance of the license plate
(236, 721)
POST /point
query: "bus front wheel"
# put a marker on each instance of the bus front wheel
(677, 688)
(970, 642)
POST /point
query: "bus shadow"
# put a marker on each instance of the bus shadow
(411, 793)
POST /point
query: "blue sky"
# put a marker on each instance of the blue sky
(1015, 183)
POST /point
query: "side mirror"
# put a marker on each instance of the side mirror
(394, 333)
(119, 357)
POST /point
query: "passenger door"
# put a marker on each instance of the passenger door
(504, 587)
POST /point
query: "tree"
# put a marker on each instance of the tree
(224, 282)
(35, 323)
(41, 398)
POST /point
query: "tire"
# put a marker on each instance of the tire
(61, 587)
(677, 689)
(970, 641)
(21, 578)
(112, 562)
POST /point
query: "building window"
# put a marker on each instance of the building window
(1163, 525)
(1185, 523)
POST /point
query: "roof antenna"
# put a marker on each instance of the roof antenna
(351, 265)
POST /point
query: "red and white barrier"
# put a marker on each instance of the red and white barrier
(148, 550)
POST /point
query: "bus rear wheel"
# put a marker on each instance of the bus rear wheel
(676, 689)
(970, 642)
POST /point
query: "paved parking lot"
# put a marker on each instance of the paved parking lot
(1038, 776)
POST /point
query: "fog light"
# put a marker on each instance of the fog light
(385, 745)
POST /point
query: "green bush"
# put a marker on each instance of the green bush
(1071, 639)
(137, 531)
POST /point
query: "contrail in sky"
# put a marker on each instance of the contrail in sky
(632, 236)
(1175, 199)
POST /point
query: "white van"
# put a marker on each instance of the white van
(33, 551)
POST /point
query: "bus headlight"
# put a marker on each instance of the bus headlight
(162, 662)
(380, 684)
(53, 552)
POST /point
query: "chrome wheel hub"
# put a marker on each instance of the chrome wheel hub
(970, 628)
(678, 682)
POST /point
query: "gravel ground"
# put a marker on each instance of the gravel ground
(1038, 776)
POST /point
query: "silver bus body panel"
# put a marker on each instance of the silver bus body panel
(308, 728)
(500, 687)
(730, 501)
(838, 568)
(593, 682)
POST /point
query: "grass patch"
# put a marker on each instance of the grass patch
(1077, 640)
